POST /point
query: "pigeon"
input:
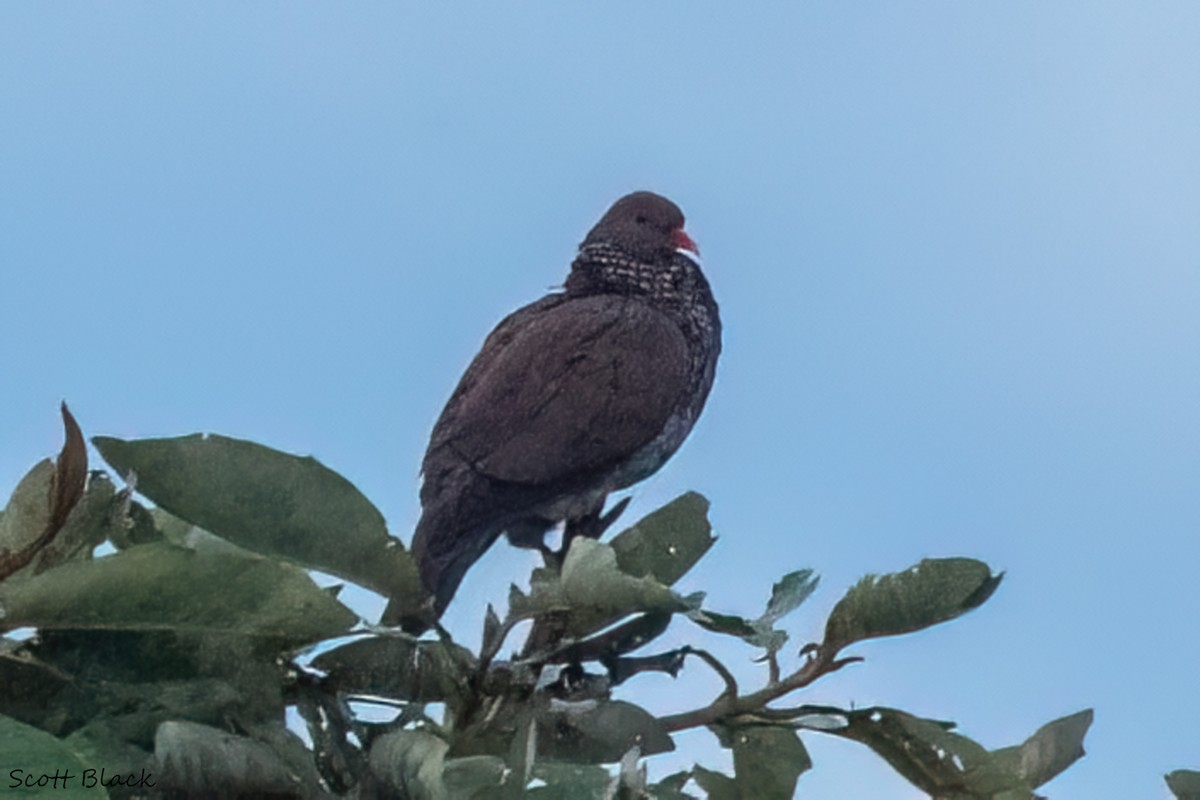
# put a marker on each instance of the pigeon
(582, 393)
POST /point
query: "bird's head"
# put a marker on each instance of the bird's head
(645, 225)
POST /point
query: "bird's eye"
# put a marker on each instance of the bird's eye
(640, 219)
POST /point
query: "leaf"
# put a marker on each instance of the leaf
(787, 595)
(399, 667)
(1054, 747)
(473, 777)
(491, 631)
(1184, 784)
(43, 501)
(599, 732)
(522, 753)
(203, 760)
(100, 743)
(592, 591)
(272, 503)
(91, 521)
(27, 514)
(565, 781)
(630, 782)
(292, 751)
(134, 710)
(162, 587)
(135, 524)
(671, 787)
(818, 719)
(70, 471)
(616, 641)
(728, 624)
(933, 591)
(135, 670)
(95, 518)
(31, 753)
(930, 756)
(767, 760)
(410, 764)
(666, 543)
(38, 693)
(171, 527)
(718, 785)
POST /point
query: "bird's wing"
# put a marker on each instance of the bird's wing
(564, 387)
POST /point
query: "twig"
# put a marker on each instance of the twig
(817, 666)
(773, 667)
(487, 656)
(731, 686)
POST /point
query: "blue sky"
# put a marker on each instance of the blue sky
(955, 246)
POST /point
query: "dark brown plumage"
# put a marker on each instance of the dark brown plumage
(576, 395)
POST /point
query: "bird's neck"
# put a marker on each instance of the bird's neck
(604, 269)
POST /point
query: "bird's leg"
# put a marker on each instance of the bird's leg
(606, 520)
(593, 524)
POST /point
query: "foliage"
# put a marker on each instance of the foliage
(169, 657)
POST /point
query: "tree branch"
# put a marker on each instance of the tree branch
(817, 666)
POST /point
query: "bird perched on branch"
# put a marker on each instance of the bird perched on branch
(581, 393)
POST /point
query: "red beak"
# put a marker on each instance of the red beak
(684, 242)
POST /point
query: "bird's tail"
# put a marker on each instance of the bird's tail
(444, 551)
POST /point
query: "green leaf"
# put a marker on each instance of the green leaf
(630, 783)
(671, 787)
(136, 709)
(28, 510)
(273, 503)
(134, 670)
(162, 587)
(1054, 747)
(1184, 784)
(767, 760)
(728, 624)
(599, 732)
(399, 667)
(563, 781)
(474, 777)
(40, 694)
(718, 785)
(592, 591)
(491, 631)
(171, 527)
(203, 760)
(934, 759)
(933, 591)
(666, 543)
(787, 595)
(624, 638)
(45, 501)
(138, 525)
(410, 764)
(93, 518)
(31, 753)
(296, 756)
(522, 754)
(99, 742)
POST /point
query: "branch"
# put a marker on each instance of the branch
(817, 666)
(731, 687)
